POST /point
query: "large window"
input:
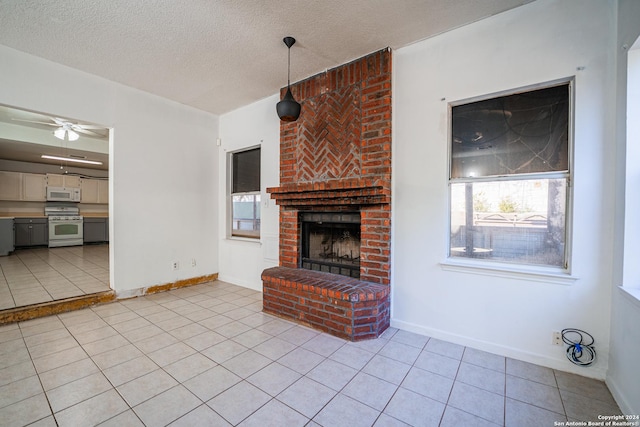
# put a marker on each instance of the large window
(509, 177)
(245, 193)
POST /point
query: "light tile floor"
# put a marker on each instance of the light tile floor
(206, 355)
(32, 276)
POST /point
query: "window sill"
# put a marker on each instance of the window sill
(243, 239)
(632, 294)
(509, 271)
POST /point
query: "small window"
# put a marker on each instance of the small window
(245, 193)
(509, 178)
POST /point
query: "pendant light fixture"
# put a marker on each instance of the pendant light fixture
(288, 109)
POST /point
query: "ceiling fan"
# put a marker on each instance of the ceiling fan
(68, 130)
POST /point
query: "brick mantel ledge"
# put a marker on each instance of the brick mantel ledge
(353, 191)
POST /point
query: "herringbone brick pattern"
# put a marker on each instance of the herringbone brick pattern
(328, 141)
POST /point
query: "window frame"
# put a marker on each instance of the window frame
(231, 234)
(536, 272)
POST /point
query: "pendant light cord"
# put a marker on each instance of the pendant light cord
(289, 68)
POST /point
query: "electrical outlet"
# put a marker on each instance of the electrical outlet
(176, 265)
(556, 338)
(193, 262)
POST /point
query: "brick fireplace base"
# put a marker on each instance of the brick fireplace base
(344, 307)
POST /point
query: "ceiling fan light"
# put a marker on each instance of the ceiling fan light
(59, 133)
(72, 135)
(67, 134)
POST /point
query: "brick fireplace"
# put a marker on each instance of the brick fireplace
(336, 159)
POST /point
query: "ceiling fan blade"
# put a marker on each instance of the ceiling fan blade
(64, 124)
(60, 122)
(86, 131)
(34, 121)
(83, 126)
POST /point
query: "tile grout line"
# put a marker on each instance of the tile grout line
(504, 414)
(44, 392)
(564, 408)
(455, 378)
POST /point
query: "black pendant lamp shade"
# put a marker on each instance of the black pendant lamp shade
(288, 109)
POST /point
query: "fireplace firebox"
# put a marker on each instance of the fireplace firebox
(331, 242)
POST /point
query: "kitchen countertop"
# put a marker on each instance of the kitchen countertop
(28, 215)
(21, 215)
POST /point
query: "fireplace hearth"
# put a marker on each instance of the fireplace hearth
(331, 243)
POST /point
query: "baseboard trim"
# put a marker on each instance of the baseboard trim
(180, 284)
(20, 314)
(149, 290)
(560, 364)
(618, 396)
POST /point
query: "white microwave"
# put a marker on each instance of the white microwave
(63, 194)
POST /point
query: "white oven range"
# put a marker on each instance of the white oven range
(65, 225)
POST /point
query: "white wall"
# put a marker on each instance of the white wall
(623, 377)
(163, 177)
(539, 42)
(630, 165)
(257, 124)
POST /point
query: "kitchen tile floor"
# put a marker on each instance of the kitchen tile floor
(32, 276)
(206, 355)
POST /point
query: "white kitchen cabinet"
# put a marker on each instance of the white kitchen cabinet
(88, 190)
(103, 191)
(71, 181)
(94, 191)
(29, 187)
(55, 180)
(10, 185)
(34, 187)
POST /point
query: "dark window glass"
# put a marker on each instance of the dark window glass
(515, 134)
(246, 171)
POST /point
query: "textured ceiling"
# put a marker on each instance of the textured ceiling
(218, 55)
